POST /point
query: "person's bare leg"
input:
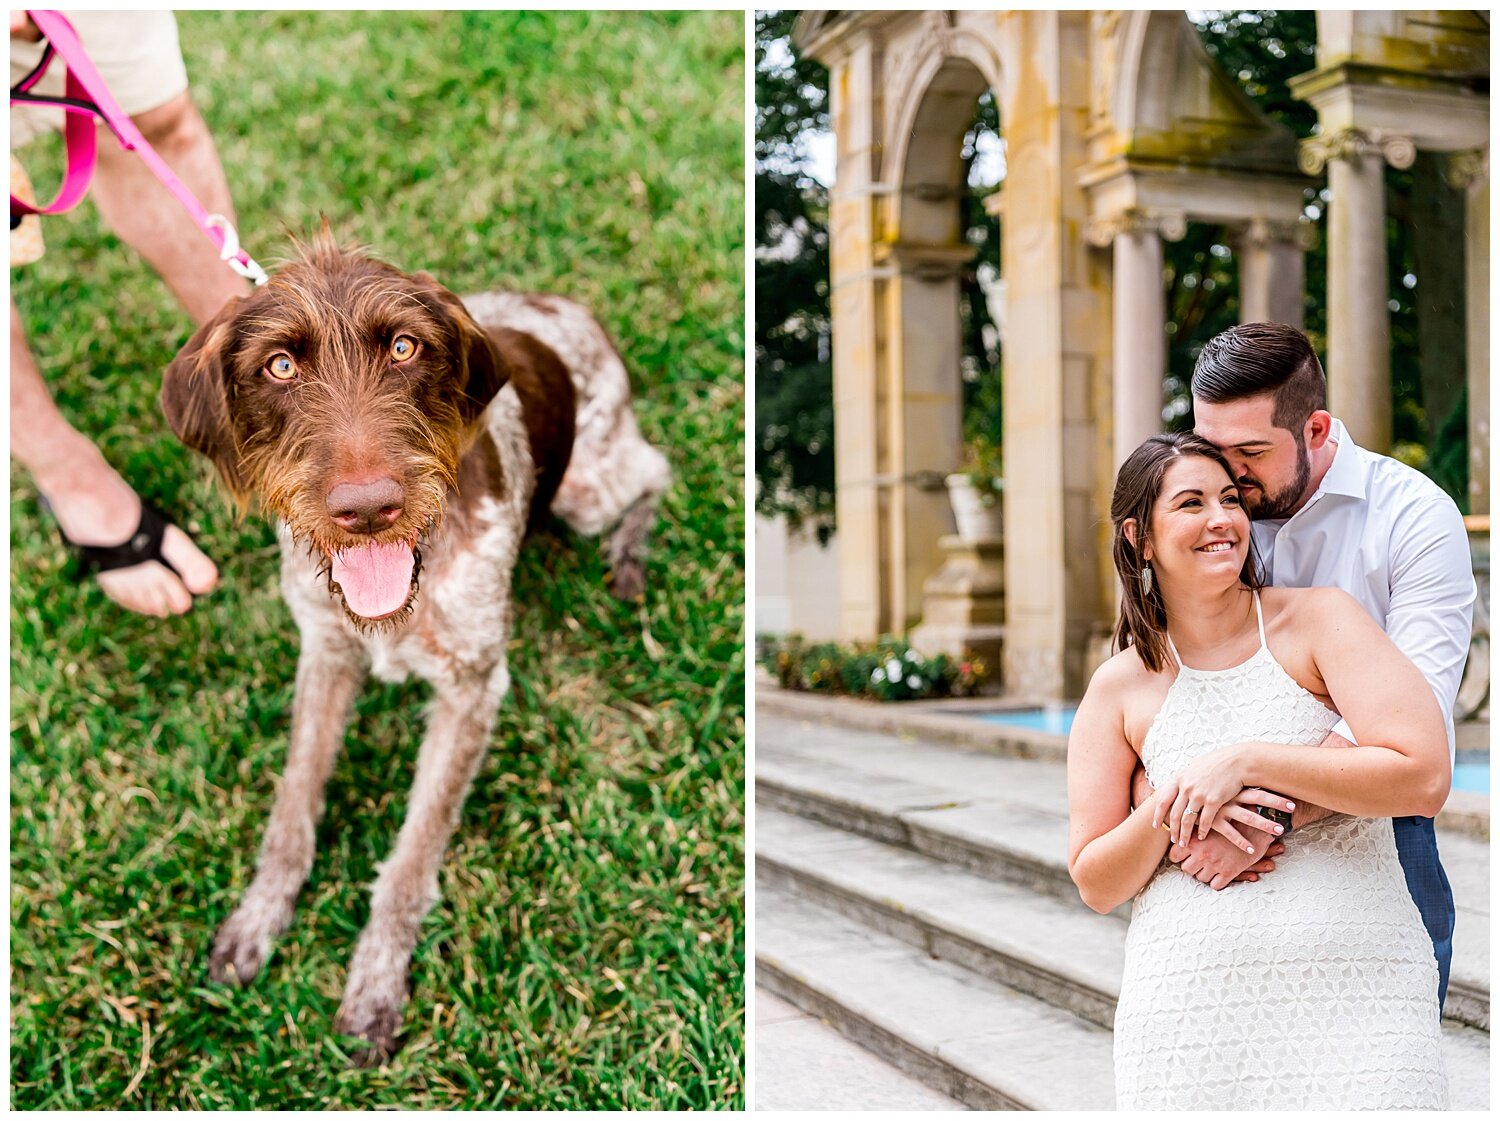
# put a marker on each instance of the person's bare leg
(92, 504)
(153, 223)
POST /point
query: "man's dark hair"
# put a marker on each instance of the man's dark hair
(1256, 358)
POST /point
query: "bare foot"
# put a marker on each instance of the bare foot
(94, 506)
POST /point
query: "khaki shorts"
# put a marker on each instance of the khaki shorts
(136, 53)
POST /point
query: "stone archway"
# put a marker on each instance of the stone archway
(903, 88)
(926, 252)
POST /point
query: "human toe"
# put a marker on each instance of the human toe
(199, 574)
(147, 589)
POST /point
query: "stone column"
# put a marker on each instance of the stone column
(1056, 354)
(1359, 328)
(1471, 171)
(1140, 320)
(924, 417)
(857, 297)
(1271, 271)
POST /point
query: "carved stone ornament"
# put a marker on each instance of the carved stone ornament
(1314, 153)
(1467, 167)
(935, 36)
(1106, 27)
(1169, 224)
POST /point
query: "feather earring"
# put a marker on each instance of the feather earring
(1146, 580)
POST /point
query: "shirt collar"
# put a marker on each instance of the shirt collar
(1346, 474)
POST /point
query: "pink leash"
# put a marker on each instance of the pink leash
(86, 95)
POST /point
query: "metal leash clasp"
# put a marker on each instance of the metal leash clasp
(230, 253)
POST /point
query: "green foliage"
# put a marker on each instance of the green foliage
(1448, 465)
(588, 950)
(793, 369)
(888, 670)
(981, 366)
(984, 467)
(1261, 50)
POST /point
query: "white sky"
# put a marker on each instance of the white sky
(819, 157)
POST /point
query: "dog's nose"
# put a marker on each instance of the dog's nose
(366, 507)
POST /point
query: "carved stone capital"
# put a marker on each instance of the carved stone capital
(1102, 230)
(1314, 153)
(1266, 231)
(1466, 168)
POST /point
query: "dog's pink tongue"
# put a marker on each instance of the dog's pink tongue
(375, 579)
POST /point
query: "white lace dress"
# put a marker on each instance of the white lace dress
(1314, 988)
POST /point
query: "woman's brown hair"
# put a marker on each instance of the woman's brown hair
(1143, 616)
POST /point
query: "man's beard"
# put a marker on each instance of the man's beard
(1284, 503)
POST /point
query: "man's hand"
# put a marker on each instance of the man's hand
(1217, 862)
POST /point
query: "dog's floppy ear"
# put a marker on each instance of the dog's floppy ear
(484, 370)
(195, 396)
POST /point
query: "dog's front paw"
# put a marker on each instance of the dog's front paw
(240, 949)
(371, 1011)
(627, 579)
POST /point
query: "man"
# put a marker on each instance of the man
(137, 54)
(1327, 513)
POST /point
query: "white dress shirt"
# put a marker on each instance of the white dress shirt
(1392, 539)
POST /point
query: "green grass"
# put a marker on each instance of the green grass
(588, 951)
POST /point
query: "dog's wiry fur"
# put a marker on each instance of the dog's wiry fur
(512, 405)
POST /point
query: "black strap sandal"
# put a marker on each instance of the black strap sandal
(143, 545)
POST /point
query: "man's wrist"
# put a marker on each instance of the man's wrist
(1282, 818)
(1307, 813)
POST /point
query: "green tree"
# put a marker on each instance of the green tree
(1261, 51)
(982, 359)
(793, 365)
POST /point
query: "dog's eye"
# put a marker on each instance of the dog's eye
(281, 367)
(403, 347)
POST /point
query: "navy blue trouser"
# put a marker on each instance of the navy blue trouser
(1416, 841)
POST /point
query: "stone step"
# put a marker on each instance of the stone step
(1002, 826)
(1065, 955)
(802, 1063)
(1006, 820)
(975, 1041)
(979, 1042)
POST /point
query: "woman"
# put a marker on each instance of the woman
(1315, 985)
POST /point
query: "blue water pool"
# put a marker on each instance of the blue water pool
(1058, 720)
(1472, 772)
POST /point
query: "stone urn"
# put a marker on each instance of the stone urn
(977, 513)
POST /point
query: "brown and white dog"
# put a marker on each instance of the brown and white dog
(404, 440)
